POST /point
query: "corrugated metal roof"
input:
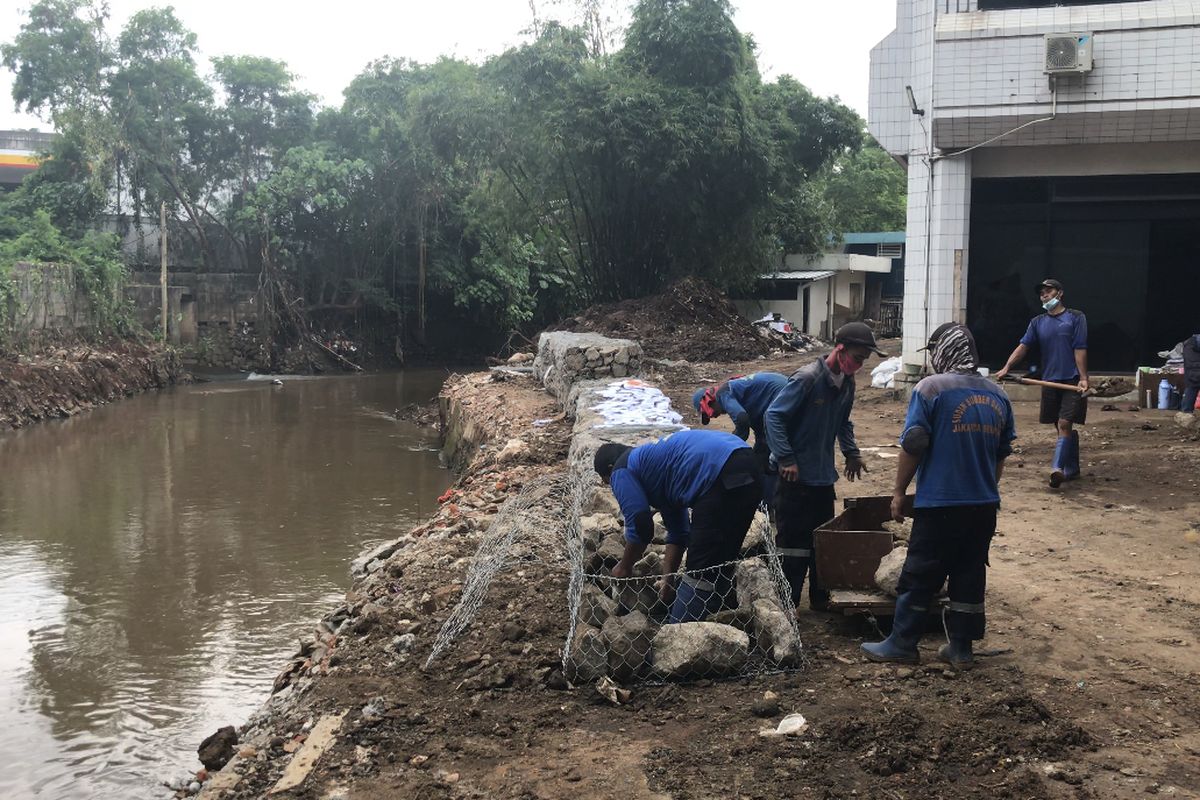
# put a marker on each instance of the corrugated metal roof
(878, 237)
(800, 275)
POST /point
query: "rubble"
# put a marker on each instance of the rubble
(62, 382)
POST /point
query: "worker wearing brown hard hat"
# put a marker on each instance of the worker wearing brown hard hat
(1061, 334)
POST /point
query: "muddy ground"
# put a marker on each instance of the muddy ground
(1093, 609)
(61, 380)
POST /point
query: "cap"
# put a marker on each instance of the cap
(937, 334)
(857, 333)
(1051, 283)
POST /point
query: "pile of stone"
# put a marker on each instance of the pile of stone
(620, 631)
(564, 359)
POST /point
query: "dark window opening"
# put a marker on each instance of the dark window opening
(1123, 246)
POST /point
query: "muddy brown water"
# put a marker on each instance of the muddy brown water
(160, 557)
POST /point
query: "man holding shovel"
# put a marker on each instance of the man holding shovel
(1061, 335)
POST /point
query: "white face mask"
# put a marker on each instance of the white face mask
(1050, 304)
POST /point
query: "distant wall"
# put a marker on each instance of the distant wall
(45, 297)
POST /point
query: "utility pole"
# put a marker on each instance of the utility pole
(162, 252)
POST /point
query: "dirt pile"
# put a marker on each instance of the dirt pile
(689, 321)
(60, 382)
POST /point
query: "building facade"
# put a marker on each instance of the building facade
(817, 294)
(1046, 139)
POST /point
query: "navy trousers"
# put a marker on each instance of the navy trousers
(951, 542)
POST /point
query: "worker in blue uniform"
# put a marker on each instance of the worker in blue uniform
(808, 414)
(715, 475)
(958, 431)
(745, 398)
(1061, 334)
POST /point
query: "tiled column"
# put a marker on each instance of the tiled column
(938, 209)
(937, 237)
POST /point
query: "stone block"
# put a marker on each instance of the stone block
(775, 634)
(595, 606)
(694, 650)
(753, 581)
(887, 575)
(587, 659)
(630, 640)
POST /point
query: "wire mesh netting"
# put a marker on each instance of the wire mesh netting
(727, 620)
(527, 529)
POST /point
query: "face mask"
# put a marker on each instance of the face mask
(1050, 304)
(846, 363)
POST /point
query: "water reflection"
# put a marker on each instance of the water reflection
(159, 557)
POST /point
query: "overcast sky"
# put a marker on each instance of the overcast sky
(822, 44)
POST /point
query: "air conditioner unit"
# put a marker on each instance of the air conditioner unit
(1068, 53)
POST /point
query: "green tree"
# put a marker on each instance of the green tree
(867, 191)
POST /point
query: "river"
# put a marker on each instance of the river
(159, 558)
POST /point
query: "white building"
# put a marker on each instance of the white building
(1047, 138)
(817, 294)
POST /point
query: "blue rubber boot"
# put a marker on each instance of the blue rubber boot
(901, 646)
(1071, 464)
(958, 653)
(1059, 472)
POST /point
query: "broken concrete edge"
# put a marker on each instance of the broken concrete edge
(320, 739)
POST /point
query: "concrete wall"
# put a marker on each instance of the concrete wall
(46, 297)
(200, 302)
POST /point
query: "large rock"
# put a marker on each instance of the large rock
(775, 634)
(595, 527)
(601, 501)
(753, 580)
(595, 607)
(638, 594)
(740, 618)
(693, 650)
(887, 575)
(630, 639)
(753, 544)
(650, 564)
(216, 750)
(587, 660)
(611, 549)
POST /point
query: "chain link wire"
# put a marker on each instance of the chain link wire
(732, 619)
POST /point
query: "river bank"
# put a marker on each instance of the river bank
(1094, 616)
(61, 381)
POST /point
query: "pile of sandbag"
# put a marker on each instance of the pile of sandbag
(884, 375)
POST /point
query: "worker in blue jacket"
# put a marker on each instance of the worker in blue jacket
(710, 472)
(745, 398)
(958, 431)
(810, 412)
